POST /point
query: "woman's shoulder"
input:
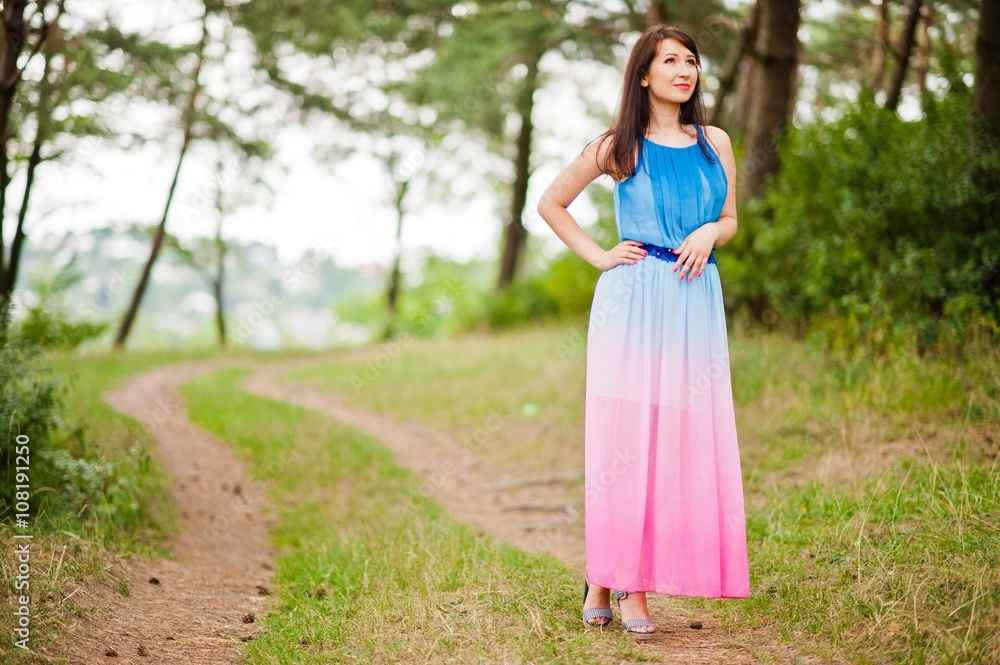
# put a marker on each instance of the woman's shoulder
(600, 151)
(717, 136)
(600, 147)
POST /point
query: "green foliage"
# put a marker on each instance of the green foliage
(47, 324)
(562, 289)
(871, 488)
(451, 298)
(518, 304)
(29, 410)
(874, 234)
(444, 291)
(110, 488)
(371, 559)
(63, 485)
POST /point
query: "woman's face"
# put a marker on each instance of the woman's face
(673, 72)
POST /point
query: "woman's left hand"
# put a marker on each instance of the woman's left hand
(694, 252)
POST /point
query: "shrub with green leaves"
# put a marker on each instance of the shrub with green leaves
(874, 235)
(48, 323)
(29, 407)
(63, 485)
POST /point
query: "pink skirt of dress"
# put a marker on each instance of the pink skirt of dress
(663, 488)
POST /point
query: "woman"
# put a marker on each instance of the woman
(663, 506)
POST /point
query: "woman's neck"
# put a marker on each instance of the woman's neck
(664, 119)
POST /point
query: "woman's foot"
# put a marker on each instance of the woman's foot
(635, 614)
(597, 598)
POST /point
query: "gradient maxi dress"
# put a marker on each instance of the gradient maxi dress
(663, 503)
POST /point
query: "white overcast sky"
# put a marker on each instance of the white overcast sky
(347, 202)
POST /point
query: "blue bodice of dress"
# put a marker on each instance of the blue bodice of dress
(672, 192)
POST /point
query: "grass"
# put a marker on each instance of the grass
(372, 570)
(113, 502)
(891, 559)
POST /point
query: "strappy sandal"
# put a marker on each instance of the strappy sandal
(627, 626)
(595, 612)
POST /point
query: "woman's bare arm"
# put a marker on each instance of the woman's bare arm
(560, 194)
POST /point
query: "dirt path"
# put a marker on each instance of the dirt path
(475, 495)
(196, 610)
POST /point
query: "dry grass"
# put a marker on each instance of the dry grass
(871, 486)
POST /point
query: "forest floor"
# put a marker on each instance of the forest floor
(530, 513)
(201, 603)
(428, 508)
(197, 605)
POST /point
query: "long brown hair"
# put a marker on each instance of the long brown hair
(632, 115)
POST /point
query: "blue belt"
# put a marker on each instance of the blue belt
(668, 254)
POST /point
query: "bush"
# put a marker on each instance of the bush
(47, 323)
(874, 235)
(62, 485)
(30, 406)
(560, 288)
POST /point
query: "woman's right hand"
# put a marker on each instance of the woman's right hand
(627, 251)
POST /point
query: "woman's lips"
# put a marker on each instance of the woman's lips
(683, 86)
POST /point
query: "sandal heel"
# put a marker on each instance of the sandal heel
(627, 626)
(595, 612)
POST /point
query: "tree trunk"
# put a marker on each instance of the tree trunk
(13, 41)
(220, 314)
(515, 235)
(744, 100)
(775, 60)
(14, 38)
(14, 263)
(986, 94)
(220, 254)
(924, 47)
(737, 52)
(161, 229)
(657, 12)
(902, 56)
(395, 277)
(747, 76)
(42, 118)
(881, 44)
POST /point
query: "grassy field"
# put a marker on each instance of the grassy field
(74, 541)
(872, 493)
(872, 488)
(372, 571)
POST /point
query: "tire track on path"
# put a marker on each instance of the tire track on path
(459, 488)
(196, 610)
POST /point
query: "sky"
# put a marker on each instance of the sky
(339, 202)
(345, 203)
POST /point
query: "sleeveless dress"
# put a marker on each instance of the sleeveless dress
(663, 497)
